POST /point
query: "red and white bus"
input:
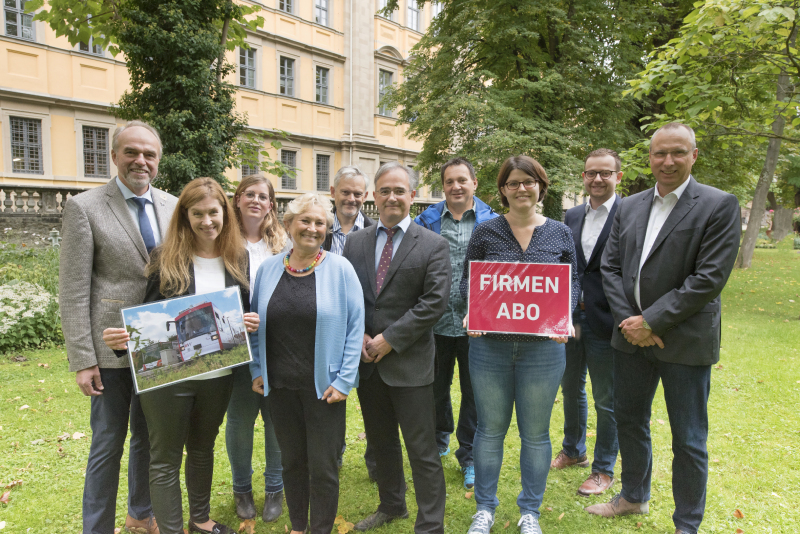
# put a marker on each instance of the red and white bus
(203, 329)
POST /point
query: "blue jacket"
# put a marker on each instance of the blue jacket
(340, 322)
(431, 218)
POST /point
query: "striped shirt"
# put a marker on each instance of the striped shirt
(338, 237)
(457, 234)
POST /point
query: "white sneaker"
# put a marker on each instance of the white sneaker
(481, 523)
(528, 525)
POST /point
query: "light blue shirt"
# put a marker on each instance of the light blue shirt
(402, 228)
(149, 210)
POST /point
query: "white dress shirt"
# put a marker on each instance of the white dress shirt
(593, 225)
(149, 210)
(402, 228)
(662, 207)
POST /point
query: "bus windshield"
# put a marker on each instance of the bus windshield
(151, 354)
(195, 324)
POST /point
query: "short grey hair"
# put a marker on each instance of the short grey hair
(349, 171)
(305, 202)
(132, 124)
(413, 176)
(676, 126)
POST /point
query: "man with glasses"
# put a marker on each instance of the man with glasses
(667, 259)
(348, 192)
(405, 276)
(590, 349)
(454, 219)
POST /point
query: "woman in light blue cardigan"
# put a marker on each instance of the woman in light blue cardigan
(305, 356)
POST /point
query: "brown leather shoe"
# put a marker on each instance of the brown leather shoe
(562, 460)
(141, 526)
(618, 506)
(596, 484)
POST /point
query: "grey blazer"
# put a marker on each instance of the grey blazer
(103, 257)
(414, 296)
(683, 276)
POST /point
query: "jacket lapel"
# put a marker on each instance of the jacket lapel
(601, 239)
(118, 206)
(408, 243)
(369, 255)
(642, 217)
(681, 209)
(577, 232)
(160, 206)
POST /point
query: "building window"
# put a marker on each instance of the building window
(247, 67)
(321, 12)
(322, 85)
(413, 15)
(18, 23)
(323, 172)
(287, 76)
(384, 81)
(436, 8)
(248, 169)
(95, 152)
(382, 5)
(285, 5)
(26, 145)
(91, 48)
(436, 192)
(289, 158)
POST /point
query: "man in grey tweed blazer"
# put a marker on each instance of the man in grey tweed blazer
(108, 234)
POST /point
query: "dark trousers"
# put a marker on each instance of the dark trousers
(385, 407)
(309, 432)
(188, 415)
(686, 390)
(449, 350)
(587, 351)
(110, 413)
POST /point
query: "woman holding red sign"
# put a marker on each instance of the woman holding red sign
(516, 369)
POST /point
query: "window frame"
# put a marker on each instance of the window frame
(19, 16)
(383, 111)
(287, 182)
(413, 14)
(319, 10)
(26, 146)
(287, 6)
(96, 152)
(284, 77)
(382, 5)
(319, 88)
(247, 70)
(436, 8)
(326, 186)
(91, 48)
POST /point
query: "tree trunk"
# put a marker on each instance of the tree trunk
(781, 223)
(758, 206)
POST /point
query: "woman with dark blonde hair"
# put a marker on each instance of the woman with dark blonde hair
(203, 252)
(263, 236)
(514, 370)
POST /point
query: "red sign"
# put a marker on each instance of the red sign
(520, 298)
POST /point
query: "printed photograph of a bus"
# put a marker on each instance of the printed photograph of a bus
(182, 338)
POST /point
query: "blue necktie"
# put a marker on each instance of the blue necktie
(144, 224)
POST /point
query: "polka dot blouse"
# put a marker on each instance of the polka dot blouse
(493, 240)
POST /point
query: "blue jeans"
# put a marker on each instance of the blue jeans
(588, 351)
(109, 418)
(504, 374)
(686, 390)
(450, 349)
(243, 409)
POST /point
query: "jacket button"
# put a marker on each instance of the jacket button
(377, 308)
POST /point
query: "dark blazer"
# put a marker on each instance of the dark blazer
(683, 276)
(329, 237)
(598, 312)
(413, 299)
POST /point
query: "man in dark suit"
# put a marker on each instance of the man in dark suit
(669, 255)
(109, 232)
(349, 190)
(405, 273)
(591, 347)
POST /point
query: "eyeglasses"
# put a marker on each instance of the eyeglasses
(676, 154)
(386, 191)
(513, 186)
(605, 174)
(249, 195)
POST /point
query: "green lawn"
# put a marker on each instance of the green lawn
(755, 430)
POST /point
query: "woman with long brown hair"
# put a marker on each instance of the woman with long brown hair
(203, 252)
(263, 236)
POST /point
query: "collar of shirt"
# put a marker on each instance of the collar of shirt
(446, 210)
(128, 194)
(358, 225)
(607, 205)
(404, 224)
(677, 192)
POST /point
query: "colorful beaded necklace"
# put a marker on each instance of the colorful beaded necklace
(292, 269)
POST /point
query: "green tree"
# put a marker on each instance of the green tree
(732, 74)
(175, 50)
(495, 78)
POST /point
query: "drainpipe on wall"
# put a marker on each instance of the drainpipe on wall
(351, 81)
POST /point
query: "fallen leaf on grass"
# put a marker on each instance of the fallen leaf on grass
(6, 497)
(78, 435)
(45, 365)
(343, 526)
(719, 366)
(249, 524)
(19, 358)
(639, 524)
(562, 516)
(13, 483)
(63, 437)
(590, 434)
(24, 407)
(362, 436)
(2, 525)
(715, 460)
(41, 381)
(738, 514)
(507, 524)
(117, 530)
(739, 531)
(48, 399)
(469, 494)
(660, 421)
(549, 509)
(39, 441)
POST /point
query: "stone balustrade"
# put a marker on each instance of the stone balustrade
(34, 200)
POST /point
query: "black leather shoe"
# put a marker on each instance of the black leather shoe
(245, 507)
(376, 520)
(273, 506)
(218, 528)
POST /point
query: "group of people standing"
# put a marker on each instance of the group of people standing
(335, 301)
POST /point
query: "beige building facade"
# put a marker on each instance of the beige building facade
(316, 70)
